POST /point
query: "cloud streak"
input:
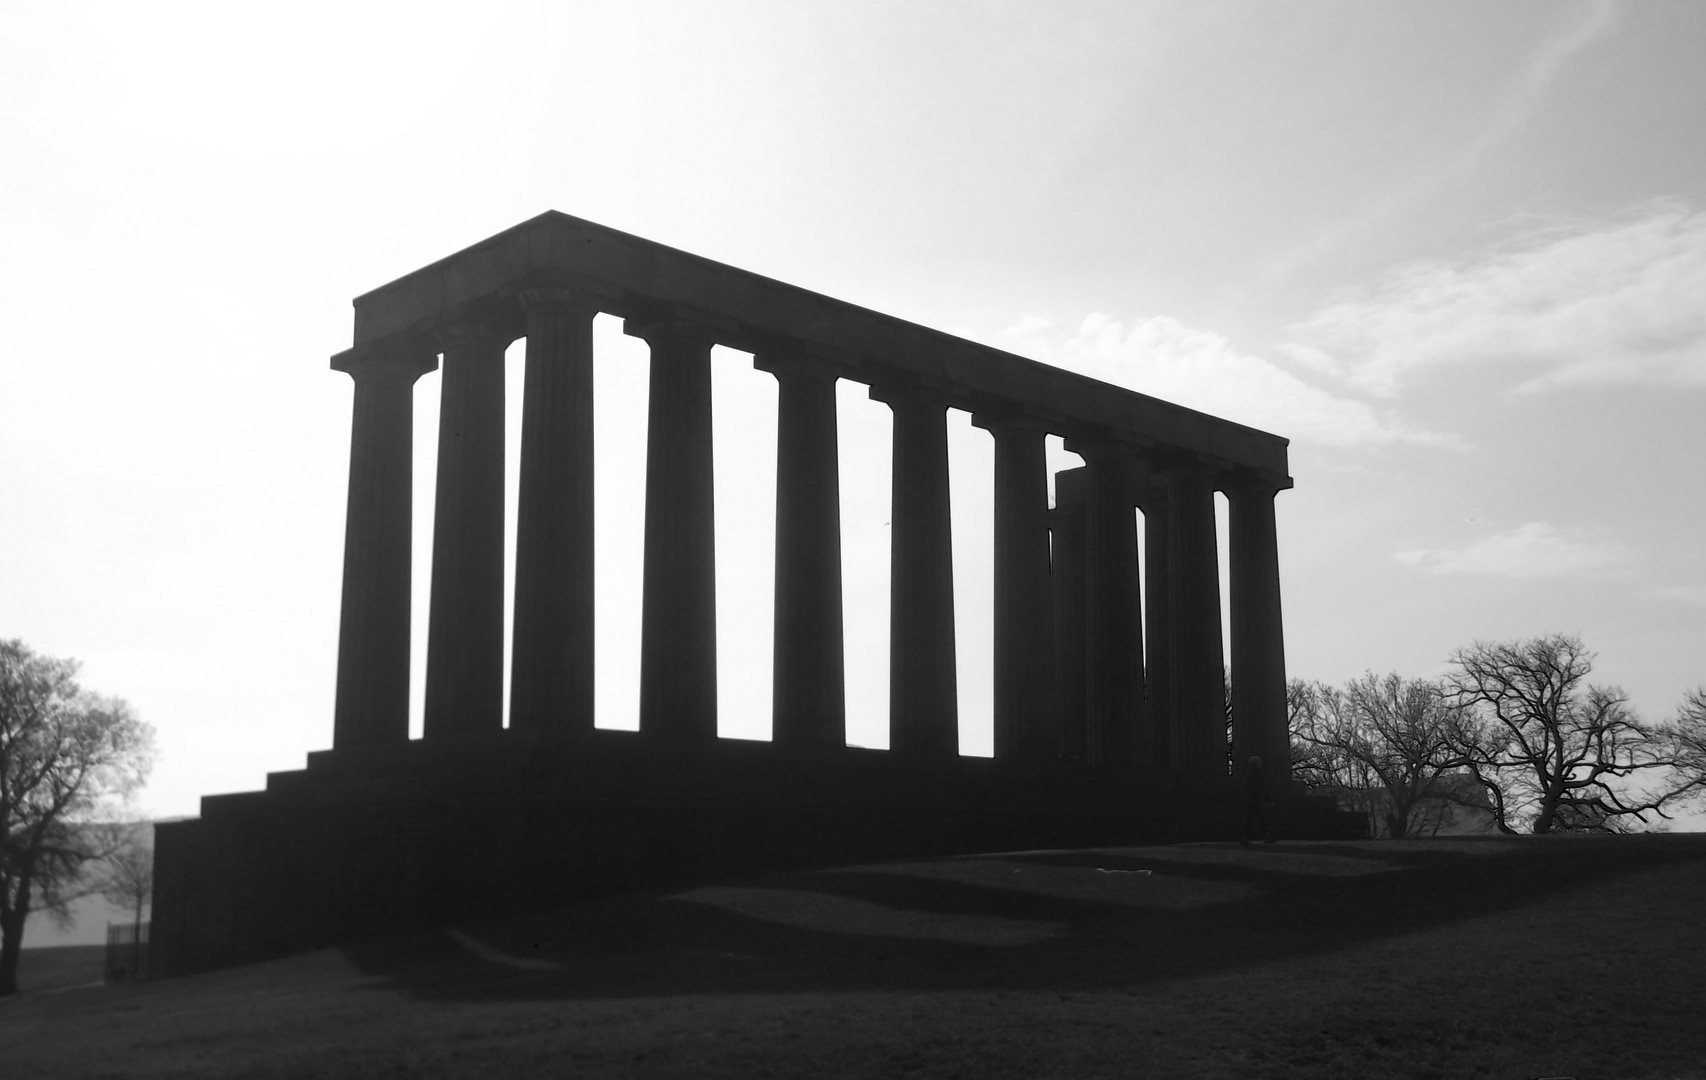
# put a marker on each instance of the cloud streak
(1506, 112)
(1616, 302)
(1534, 550)
(1164, 358)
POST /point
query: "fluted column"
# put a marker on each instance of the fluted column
(551, 678)
(373, 628)
(1113, 620)
(808, 700)
(1067, 531)
(1259, 720)
(1026, 727)
(923, 689)
(1198, 698)
(1157, 597)
(678, 619)
(465, 641)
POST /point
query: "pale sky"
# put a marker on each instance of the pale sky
(1455, 251)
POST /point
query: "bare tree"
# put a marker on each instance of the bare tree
(1554, 751)
(127, 879)
(1312, 765)
(1687, 735)
(68, 760)
(1382, 744)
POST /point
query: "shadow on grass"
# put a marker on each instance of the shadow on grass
(1056, 920)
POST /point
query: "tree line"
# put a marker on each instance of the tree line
(1513, 730)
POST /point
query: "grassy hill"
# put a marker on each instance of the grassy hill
(1495, 957)
(61, 967)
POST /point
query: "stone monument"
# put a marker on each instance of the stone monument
(1101, 735)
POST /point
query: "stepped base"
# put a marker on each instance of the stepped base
(372, 840)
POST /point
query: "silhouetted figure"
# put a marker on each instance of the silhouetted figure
(1256, 803)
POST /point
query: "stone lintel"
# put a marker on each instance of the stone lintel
(756, 311)
(593, 291)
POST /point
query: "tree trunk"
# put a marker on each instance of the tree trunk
(1398, 824)
(1548, 811)
(12, 934)
(11, 940)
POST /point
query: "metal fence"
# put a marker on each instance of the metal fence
(127, 951)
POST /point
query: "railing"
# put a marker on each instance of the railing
(127, 952)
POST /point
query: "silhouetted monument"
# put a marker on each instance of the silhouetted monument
(1101, 736)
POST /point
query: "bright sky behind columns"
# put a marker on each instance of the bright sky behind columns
(1455, 251)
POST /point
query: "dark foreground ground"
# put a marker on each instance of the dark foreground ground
(1581, 957)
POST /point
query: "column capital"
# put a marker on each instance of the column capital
(899, 393)
(1071, 488)
(1184, 465)
(792, 364)
(670, 329)
(389, 358)
(1107, 445)
(1254, 485)
(1132, 464)
(474, 330)
(1009, 421)
(1150, 491)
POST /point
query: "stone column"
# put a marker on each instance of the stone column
(1113, 621)
(1067, 529)
(923, 688)
(1026, 727)
(678, 618)
(1259, 721)
(373, 629)
(1198, 697)
(1157, 598)
(465, 641)
(551, 677)
(808, 700)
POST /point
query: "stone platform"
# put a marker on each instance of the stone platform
(371, 840)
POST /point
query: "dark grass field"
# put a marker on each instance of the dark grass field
(1530, 957)
(61, 968)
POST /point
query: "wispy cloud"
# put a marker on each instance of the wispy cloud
(1534, 550)
(1507, 110)
(1612, 302)
(1164, 358)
